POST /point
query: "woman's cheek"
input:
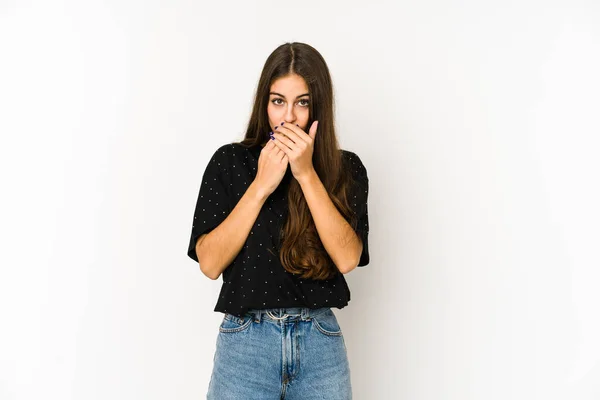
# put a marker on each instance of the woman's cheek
(272, 113)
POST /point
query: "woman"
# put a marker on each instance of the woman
(283, 238)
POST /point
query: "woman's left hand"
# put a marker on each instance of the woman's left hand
(298, 146)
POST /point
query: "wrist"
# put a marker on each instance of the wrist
(258, 193)
(308, 177)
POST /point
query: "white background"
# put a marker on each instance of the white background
(477, 122)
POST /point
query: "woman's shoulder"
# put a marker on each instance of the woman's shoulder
(354, 163)
(228, 152)
(353, 158)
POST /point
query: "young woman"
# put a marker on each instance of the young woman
(282, 216)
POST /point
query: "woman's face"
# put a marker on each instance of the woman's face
(289, 101)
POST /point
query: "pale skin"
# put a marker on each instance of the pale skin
(290, 119)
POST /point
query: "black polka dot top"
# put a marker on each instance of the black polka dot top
(256, 278)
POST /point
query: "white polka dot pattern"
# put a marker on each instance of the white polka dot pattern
(256, 278)
(358, 201)
(213, 204)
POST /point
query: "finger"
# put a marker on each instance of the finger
(312, 132)
(282, 146)
(272, 150)
(283, 130)
(280, 138)
(273, 147)
(293, 132)
(286, 134)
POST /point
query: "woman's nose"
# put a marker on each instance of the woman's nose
(290, 116)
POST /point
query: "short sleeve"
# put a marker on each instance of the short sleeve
(213, 204)
(358, 202)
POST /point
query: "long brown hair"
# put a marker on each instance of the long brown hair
(302, 252)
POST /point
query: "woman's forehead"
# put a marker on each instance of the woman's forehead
(290, 85)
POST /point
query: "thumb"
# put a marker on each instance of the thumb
(313, 130)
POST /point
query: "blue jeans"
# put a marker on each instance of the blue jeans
(280, 353)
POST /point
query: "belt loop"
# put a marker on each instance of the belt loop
(279, 311)
(304, 314)
(257, 316)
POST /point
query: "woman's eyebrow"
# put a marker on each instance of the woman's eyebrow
(279, 94)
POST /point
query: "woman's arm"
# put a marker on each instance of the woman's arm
(218, 248)
(339, 239)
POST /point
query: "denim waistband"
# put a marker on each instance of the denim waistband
(286, 313)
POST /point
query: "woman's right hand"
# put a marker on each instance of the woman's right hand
(272, 165)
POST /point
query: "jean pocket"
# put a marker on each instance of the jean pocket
(231, 323)
(327, 323)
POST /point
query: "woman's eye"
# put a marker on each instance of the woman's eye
(306, 102)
